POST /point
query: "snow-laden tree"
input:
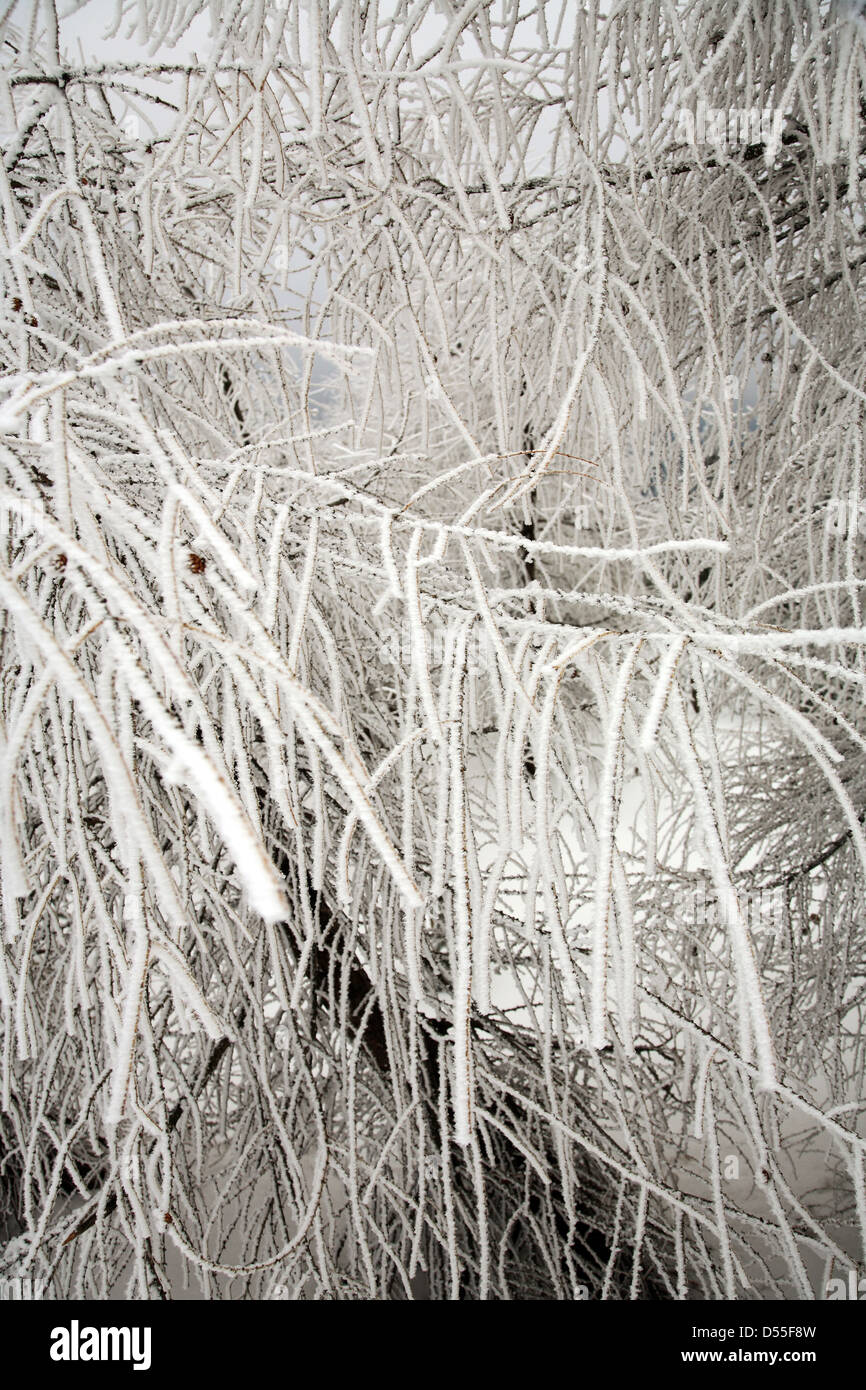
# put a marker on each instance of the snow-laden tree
(433, 770)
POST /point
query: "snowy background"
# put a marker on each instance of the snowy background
(432, 770)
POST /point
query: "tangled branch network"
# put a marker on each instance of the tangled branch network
(432, 658)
